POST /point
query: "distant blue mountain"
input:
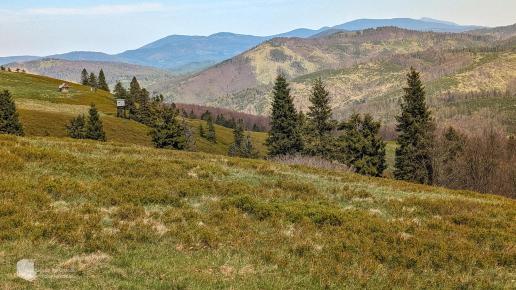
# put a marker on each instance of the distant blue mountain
(85, 56)
(21, 58)
(424, 24)
(187, 53)
(176, 51)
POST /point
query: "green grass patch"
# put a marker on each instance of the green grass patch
(110, 215)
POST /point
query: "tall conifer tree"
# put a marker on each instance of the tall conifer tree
(85, 81)
(235, 149)
(284, 136)
(415, 126)
(9, 122)
(94, 127)
(92, 81)
(102, 84)
(242, 145)
(119, 91)
(319, 125)
(211, 135)
(132, 101)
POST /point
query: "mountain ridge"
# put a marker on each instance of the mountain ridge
(187, 53)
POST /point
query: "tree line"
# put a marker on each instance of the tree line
(8, 69)
(354, 142)
(94, 81)
(425, 155)
(225, 117)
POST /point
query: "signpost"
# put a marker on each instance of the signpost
(120, 108)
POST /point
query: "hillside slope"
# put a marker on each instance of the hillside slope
(467, 76)
(119, 216)
(45, 112)
(70, 70)
(295, 57)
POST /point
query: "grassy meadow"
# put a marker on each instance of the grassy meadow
(45, 112)
(119, 216)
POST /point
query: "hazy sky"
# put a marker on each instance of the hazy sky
(43, 27)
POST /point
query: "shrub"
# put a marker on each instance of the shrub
(9, 123)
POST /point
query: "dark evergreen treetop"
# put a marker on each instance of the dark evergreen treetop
(119, 92)
(168, 131)
(284, 136)
(242, 146)
(319, 125)
(9, 122)
(320, 113)
(85, 77)
(94, 127)
(211, 135)
(415, 126)
(361, 146)
(238, 134)
(102, 84)
(135, 89)
(77, 127)
(92, 81)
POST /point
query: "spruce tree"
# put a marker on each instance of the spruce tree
(9, 122)
(94, 128)
(211, 135)
(135, 89)
(319, 125)
(85, 81)
(119, 91)
(235, 149)
(284, 136)
(248, 150)
(132, 101)
(415, 125)
(144, 112)
(77, 128)
(102, 84)
(92, 81)
(360, 145)
(168, 132)
(242, 146)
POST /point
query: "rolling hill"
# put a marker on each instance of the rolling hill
(365, 71)
(70, 70)
(296, 57)
(45, 112)
(107, 215)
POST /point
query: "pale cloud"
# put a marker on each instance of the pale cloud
(96, 10)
